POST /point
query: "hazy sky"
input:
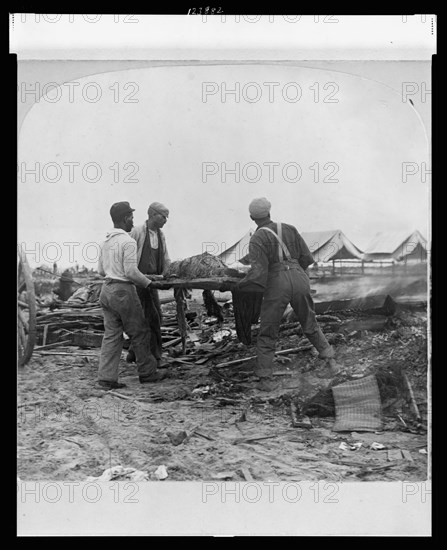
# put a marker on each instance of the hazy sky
(360, 139)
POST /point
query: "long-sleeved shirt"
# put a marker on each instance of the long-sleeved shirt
(263, 251)
(118, 259)
(139, 234)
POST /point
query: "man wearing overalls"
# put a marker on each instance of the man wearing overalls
(279, 257)
(153, 259)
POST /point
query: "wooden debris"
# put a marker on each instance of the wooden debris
(71, 353)
(379, 304)
(407, 455)
(45, 333)
(411, 394)
(30, 404)
(246, 473)
(328, 319)
(202, 434)
(282, 352)
(249, 439)
(181, 305)
(55, 345)
(224, 475)
(202, 283)
(173, 342)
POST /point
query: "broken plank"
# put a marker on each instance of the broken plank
(173, 342)
(248, 439)
(407, 455)
(45, 333)
(411, 394)
(202, 361)
(55, 345)
(282, 352)
(201, 434)
(72, 353)
(177, 360)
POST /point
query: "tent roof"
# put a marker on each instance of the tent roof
(387, 242)
(332, 244)
(324, 245)
(238, 249)
(317, 239)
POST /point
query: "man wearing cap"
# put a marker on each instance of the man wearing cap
(153, 259)
(279, 257)
(120, 303)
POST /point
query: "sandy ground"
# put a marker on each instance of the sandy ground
(70, 429)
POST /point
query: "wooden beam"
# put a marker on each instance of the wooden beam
(208, 283)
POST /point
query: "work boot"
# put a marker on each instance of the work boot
(330, 370)
(157, 377)
(130, 358)
(108, 385)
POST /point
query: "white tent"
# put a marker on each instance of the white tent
(324, 245)
(397, 245)
(237, 251)
(331, 245)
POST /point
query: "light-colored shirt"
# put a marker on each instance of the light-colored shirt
(118, 259)
(139, 234)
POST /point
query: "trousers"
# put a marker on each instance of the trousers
(288, 286)
(123, 313)
(150, 302)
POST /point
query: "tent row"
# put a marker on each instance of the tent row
(327, 246)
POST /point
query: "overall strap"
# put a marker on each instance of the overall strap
(281, 246)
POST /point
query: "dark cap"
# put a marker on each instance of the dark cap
(119, 210)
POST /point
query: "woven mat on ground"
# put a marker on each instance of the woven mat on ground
(357, 405)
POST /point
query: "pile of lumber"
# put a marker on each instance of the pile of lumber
(70, 325)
